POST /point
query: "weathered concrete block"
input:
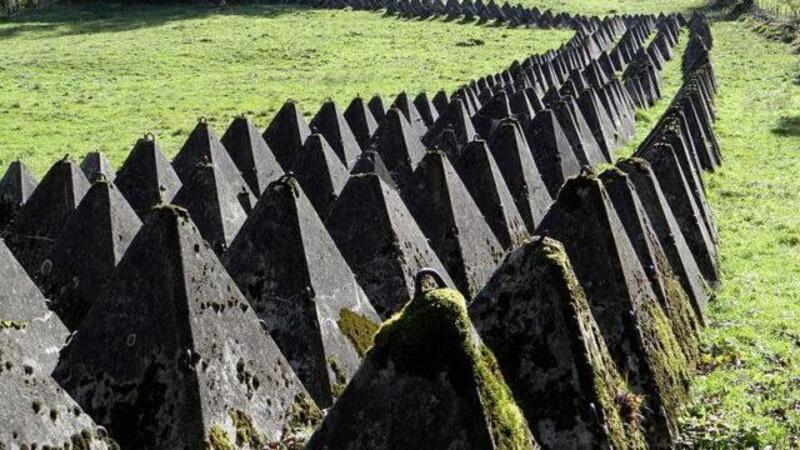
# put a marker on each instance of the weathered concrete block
(251, 154)
(286, 134)
(409, 110)
(41, 219)
(96, 166)
(362, 122)
(381, 241)
(300, 286)
(147, 178)
(331, 123)
(399, 146)
(198, 369)
(83, 258)
(551, 151)
(535, 318)
(320, 173)
(214, 203)
(478, 170)
(510, 150)
(452, 222)
(16, 186)
(428, 383)
(636, 330)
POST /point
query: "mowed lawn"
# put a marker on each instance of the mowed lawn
(76, 79)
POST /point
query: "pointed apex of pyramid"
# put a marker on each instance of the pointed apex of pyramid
(203, 147)
(28, 324)
(286, 134)
(362, 122)
(40, 221)
(409, 110)
(429, 350)
(83, 258)
(427, 110)
(16, 187)
(284, 252)
(147, 178)
(453, 223)
(320, 173)
(331, 123)
(251, 154)
(96, 166)
(214, 205)
(558, 349)
(377, 107)
(188, 334)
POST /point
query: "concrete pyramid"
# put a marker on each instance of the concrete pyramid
(41, 219)
(669, 233)
(409, 110)
(599, 123)
(578, 133)
(551, 150)
(286, 134)
(428, 373)
(665, 165)
(300, 286)
(36, 412)
(147, 178)
(331, 123)
(203, 147)
(16, 187)
(636, 330)
(362, 122)
(83, 258)
(669, 292)
(510, 150)
(377, 107)
(198, 370)
(455, 118)
(440, 101)
(214, 204)
(535, 318)
(251, 154)
(478, 170)
(26, 322)
(381, 241)
(320, 173)
(399, 146)
(452, 222)
(426, 109)
(96, 166)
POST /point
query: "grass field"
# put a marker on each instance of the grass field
(77, 79)
(73, 79)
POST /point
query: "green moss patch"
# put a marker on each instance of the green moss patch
(358, 329)
(218, 439)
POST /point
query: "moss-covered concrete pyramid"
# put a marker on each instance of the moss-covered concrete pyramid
(535, 318)
(638, 333)
(300, 286)
(427, 383)
(172, 355)
(25, 320)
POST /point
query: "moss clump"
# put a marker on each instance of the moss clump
(302, 419)
(340, 381)
(433, 334)
(358, 329)
(246, 433)
(218, 439)
(13, 324)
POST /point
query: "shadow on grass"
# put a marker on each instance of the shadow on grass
(112, 17)
(788, 126)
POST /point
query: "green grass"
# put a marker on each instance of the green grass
(77, 79)
(601, 7)
(790, 8)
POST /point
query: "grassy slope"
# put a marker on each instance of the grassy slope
(75, 80)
